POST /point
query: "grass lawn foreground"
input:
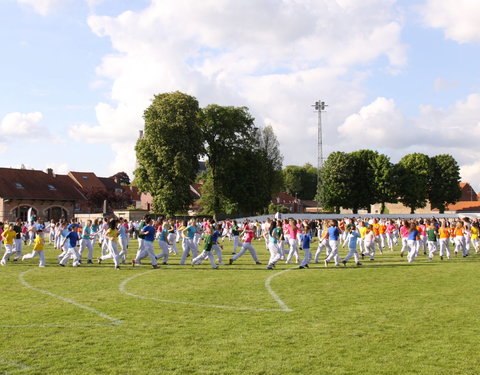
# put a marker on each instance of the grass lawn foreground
(385, 317)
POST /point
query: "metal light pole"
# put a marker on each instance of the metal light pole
(319, 107)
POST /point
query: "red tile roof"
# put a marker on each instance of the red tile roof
(110, 184)
(284, 198)
(33, 184)
(87, 180)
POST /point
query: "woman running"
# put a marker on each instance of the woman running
(248, 235)
(273, 238)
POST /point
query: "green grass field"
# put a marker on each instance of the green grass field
(386, 317)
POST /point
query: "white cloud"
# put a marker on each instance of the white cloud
(458, 18)
(378, 125)
(277, 57)
(42, 7)
(26, 125)
(455, 130)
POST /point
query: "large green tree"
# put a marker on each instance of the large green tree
(414, 180)
(364, 178)
(444, 182)
(337, 181)
(300, 181)
(250, 185)
(167, 155)
(385, 177)
(269, 147)
(226, 131)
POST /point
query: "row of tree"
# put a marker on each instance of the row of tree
(362, 178)
(243, 161)
(244, 166)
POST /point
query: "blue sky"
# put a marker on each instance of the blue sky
(399, 76)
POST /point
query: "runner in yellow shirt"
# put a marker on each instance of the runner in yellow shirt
(111, 236)
(8, 236)
(475, 240)
(37, 249)
(361, 241)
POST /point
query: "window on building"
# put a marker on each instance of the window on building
(51, 187)
(18, 185)
(85, 177)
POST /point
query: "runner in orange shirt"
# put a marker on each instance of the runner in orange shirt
(444, 233)
(376, 231)
(460, 239)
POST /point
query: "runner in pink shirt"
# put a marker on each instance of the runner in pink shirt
(292, 231)
(404, 230)
(423, 237)
(247, 235)
(390, 233)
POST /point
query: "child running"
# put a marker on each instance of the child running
(38, 244)
(248, 235)
(8, 237)
(306, 239)
(352, 238)
(71, 241)
(206, 253)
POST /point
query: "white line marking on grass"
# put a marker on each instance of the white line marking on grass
(272, 292)
(284, 308)
(113, 321)
(19, 366)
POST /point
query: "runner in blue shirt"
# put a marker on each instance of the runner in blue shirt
(306, 238)
(123, 240)
(71, 239)
(352, 238)
(412, 241)
(333, 236)
(163, 243)
(215, 245)
(148, 233)
(189, 235)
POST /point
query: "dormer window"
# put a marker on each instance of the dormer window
(18, 185)
(51, 187)
(85, 177)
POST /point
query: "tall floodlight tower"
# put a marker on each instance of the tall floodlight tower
(319, 108)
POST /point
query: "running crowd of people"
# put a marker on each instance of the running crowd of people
(284, 239)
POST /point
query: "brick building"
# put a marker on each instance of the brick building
(50, 196)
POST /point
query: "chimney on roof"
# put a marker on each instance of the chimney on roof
(140, 134)
(50, 172)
